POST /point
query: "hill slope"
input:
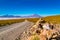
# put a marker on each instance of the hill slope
(53, 19)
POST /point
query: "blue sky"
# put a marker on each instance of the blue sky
(28, 7)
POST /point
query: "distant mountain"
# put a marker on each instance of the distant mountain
(9, 16)
(36, 15)
(30, 16)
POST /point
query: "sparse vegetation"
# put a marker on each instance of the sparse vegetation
(8, 22)
(33, 19)
(52, 19)
(36, 38)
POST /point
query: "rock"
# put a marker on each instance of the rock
(44, 34)
(42, 37)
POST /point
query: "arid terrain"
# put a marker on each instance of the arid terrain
(36, 33)
(30, 28)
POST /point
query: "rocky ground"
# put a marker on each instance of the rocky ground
(36, 33)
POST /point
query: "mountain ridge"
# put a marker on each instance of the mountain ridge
(30, 16)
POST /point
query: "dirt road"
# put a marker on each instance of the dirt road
(11, 32)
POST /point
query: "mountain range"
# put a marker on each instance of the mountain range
(12, 16)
